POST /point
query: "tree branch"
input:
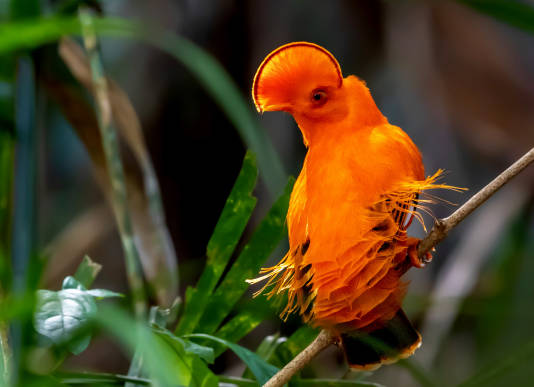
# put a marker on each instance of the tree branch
(440, 230)
(443, 226)
(323, 340)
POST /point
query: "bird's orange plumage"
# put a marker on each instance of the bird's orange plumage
(353, 200)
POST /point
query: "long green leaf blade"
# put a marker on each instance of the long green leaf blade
(231, 224)
(166, 365)
(245, 321)
(260, 246)
(262, 370)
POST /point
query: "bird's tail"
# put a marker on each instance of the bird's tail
(394, 340)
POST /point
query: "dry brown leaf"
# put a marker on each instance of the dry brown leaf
(152, 238)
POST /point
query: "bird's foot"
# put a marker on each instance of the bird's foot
(413, 256)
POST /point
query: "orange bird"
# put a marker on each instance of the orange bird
(356, 195)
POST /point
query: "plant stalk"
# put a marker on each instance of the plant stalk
(114, 165)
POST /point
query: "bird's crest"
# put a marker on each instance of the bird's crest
(284, 69)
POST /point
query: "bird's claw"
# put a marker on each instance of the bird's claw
(413, 255)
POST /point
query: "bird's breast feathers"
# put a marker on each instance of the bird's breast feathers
(343, 177)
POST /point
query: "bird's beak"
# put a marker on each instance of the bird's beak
(273, 108)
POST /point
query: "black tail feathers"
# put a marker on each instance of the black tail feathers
(368, 350)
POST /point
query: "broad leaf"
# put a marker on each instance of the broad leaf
(59, 315)
(262, 370)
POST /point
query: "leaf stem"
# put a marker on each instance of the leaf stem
(114, 164)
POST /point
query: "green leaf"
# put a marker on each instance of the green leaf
(72, 283)
(262, 370)
(299, 340)
(254, 254)
(245, 321)
(165, 364)
(190, 369)
(228, 230)
(60, 315)
(210, 74)
(266, 349)
(201, 351)
(331, 383)
(87, 272)
(79, 344)
(205, 353)
(269, 345)
(513, 12)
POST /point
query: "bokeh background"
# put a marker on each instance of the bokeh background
(458, 81)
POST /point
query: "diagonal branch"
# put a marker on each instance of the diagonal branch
(443, 226)
(440, 230)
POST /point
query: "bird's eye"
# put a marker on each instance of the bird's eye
(319, 97)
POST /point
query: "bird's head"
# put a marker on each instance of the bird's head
(300, 78)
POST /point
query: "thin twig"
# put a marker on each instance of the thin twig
(323, 340)
(443, 226)
(114, 164)
(440, 230)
